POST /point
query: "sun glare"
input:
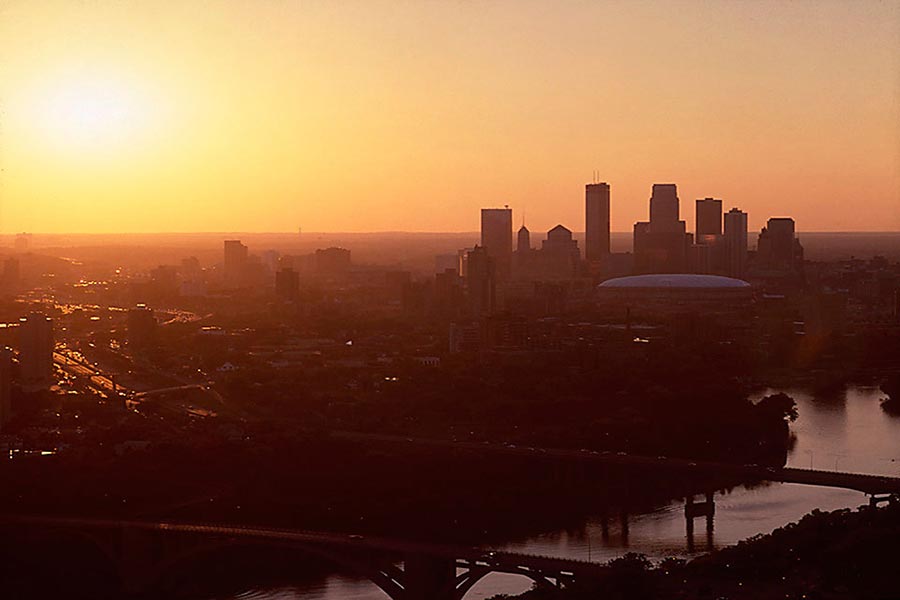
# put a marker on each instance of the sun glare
(95, 112)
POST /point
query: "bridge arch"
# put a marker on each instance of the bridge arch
(387, 577)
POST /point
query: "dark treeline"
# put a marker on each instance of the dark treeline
(842, 555)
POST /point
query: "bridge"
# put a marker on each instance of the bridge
(143, 552)
(877, 487)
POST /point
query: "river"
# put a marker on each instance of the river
(849, 432)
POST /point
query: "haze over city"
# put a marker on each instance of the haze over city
(398, 116)
(508, 300)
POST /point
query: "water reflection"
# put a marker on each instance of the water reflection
(846, 431)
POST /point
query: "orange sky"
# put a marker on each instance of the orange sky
(410, 115)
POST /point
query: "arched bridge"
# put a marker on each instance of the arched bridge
(143, 552)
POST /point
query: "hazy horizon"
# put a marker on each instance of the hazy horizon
(360, 116)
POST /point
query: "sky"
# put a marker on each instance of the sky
(369, 115)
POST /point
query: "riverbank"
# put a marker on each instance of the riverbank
(844, 554)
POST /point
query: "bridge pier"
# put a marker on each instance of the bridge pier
(700, 509)
(429, 578)
(693, 510)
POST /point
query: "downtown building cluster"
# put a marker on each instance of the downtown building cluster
(497, 270)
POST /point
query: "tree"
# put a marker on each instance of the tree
(779, 405)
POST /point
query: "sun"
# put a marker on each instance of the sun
(95, 111)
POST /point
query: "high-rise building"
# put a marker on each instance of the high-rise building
(560, 257)
(736, 243)
(496, 238)
(332, 261)
(707, 255)
(523, 239)
(664, 207)
(596, 221)
(661, 244)
(709, 218)
(36, 350)
(236, 255)
(778, 248)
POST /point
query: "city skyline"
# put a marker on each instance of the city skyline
(150, 117)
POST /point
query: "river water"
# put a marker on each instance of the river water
(849, 432)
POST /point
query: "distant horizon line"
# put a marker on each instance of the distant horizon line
(374, 232)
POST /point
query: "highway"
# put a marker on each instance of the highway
(77, 367)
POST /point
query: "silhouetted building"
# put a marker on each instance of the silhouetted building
(287, 284)
(709, 218)
(661, 244)
(236, 255)
(332, 261)
(778, 248)
(560, 256)
(596, 221)
(735, 242)
(141, 327)
(523, 239)
(496, 238)
(36, 350)
(480, 282)
(664, 206)
(701, 258)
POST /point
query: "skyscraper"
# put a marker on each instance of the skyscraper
(596, 221)
(709, 218)
(523, 239)
(496, 238)
(661, 244)
(736, 243)
(778, 248)
(36, 350)
(664, 207)
(707, 255)
(235, 259)
(560, 256)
